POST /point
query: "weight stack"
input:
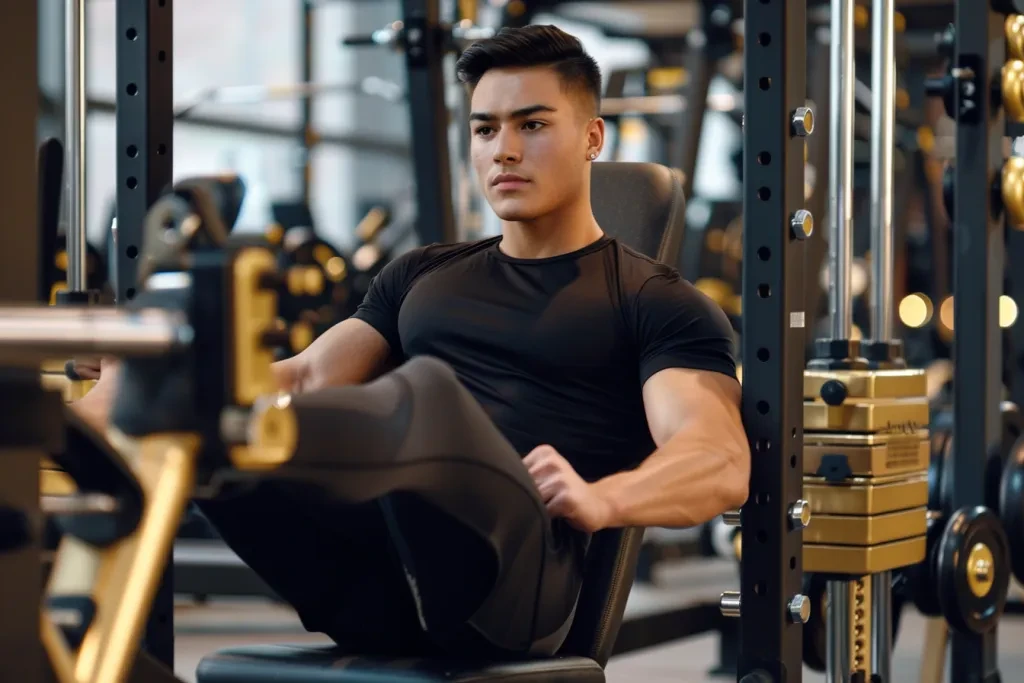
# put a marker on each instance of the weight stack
(866, 457)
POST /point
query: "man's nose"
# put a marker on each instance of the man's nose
(507, 149)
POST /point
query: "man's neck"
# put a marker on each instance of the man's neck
(557, 233)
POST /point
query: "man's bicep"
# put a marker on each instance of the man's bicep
(701, 403)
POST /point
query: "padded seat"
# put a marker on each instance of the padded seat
(643, 206)
(326, 664)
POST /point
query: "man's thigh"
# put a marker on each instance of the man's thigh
(333, 562)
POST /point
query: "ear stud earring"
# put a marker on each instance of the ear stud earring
(593, 156)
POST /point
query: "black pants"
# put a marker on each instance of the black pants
(406, 524)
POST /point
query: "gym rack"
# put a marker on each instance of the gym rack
(21, 655)
(145, 164)
(774, 229)
(978, 282)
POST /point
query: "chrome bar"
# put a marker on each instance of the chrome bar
(840, 248)
(79, 504)
(881, 625)
(883, 115)
(74, 143)
(837, 649)
(50, 330)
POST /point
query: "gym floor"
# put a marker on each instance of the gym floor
(204, 628)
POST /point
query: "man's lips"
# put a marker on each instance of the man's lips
(508, 181)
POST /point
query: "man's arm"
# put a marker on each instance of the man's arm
(351, 352)
(701, 467)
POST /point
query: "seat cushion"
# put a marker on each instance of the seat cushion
(327, 664)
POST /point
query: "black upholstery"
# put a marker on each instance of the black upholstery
(642, 205)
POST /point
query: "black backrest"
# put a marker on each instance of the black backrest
(642, 205)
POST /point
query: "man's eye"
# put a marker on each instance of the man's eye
(484, 130)
(533, 125)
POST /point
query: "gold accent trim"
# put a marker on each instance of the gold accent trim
(869, 383)
(865, 497)
(898, 416)
(1013, 190)
(127, 573)
(1012, 77)
(857, 561)
(255, 311)
(981, 574)
(1014, 30)
(863, 531)
(56, 482)
(273, 435)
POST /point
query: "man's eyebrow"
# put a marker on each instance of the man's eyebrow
(517, 114)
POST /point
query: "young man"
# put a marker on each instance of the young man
(551, 383)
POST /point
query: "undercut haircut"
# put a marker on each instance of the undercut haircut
(534, 46)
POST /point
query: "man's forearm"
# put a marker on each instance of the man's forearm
(684, 483)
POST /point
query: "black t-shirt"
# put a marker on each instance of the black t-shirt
(557, 349)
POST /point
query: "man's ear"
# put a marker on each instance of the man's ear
(595, 134)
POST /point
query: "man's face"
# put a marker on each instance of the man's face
(531, 139)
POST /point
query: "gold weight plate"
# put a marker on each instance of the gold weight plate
(864, 531)
(890, 416)
(898, 455)
(858, 561)
(911, 383)
(865, 496)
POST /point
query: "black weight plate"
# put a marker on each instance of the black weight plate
(815, 635)
(946, 478)
(969, 528)
(921, 579)
(1010, 431)
(940, 441)
(1011, 507)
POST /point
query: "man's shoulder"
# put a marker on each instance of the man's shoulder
(418, 260)
(636, 269)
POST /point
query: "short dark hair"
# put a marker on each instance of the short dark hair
(533, 46)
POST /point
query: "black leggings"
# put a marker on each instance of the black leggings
(406, 524)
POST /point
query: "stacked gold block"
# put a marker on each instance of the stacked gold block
(875, 520)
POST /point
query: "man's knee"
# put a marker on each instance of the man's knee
(428, 371)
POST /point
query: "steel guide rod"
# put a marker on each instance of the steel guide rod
(840, 177)
(883, 114)
(775, 66)
(74, 132)
(48, 330)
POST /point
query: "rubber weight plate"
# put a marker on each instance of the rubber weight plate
(940, 442)
(815, 634)
(922, 582)
(973, 569)
(1011, 507)
(1010, 431)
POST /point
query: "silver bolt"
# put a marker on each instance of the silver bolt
(799, 609)
(731, 517)
(800, 514)
(803, 121)
(729, 604)
(802, 224)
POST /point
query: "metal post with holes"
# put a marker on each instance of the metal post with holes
(145, 126)
(307, 136)
(21, 654)
(425, 42)
(775, 226)
(145, 145)
(978, 281)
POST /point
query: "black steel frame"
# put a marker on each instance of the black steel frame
(307, 135)
(145, 146)
(775, 68)
(426, 39)
(21, 655)
(978, 282)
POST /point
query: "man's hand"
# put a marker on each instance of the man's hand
(90, 368)
(565, 493)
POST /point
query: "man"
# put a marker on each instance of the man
(550, 383)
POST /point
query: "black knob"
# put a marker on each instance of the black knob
(758, 676)
(833, 392)
(943, 87)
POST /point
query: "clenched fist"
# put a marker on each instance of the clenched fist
(565, 493)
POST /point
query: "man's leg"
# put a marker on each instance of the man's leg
(333, 562)
(475, 540)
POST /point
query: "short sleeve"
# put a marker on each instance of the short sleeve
(677, 326)
(383, 300)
